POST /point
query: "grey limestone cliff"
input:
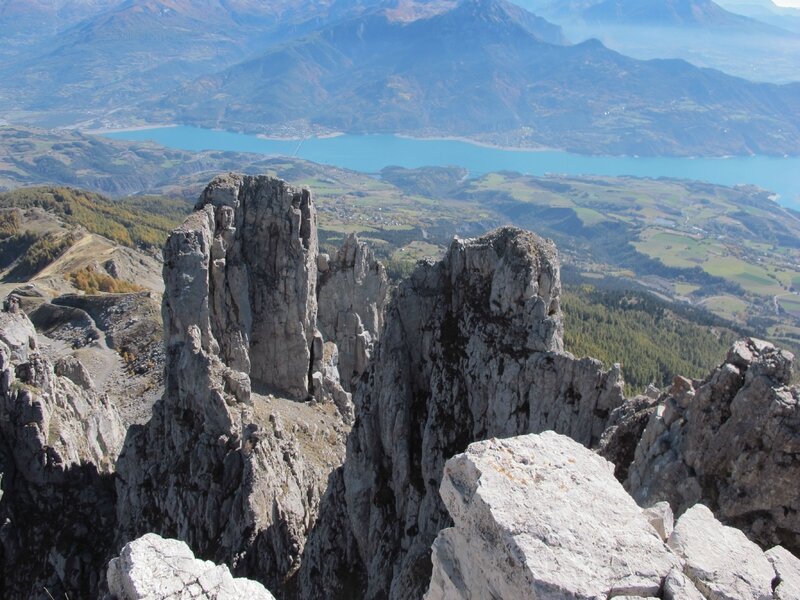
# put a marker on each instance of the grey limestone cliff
(256, 239)
(353, 291)
(234, 459)
(472, 348)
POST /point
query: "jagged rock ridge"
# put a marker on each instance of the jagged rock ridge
(732, 442)
(472, 348)
(234, 461)
(243, 457)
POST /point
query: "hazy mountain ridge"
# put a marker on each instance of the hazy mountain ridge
(759, 43)
(492, 71)
(487, 77)
(98, 61)
(699, 13)
(766, 11)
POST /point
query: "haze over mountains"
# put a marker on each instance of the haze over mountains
(753, 39)
(491, 71)
(699, 13)
(488, 76)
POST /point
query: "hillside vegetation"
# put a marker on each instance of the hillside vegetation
(142, 222)
(651, 339)
(31, 157)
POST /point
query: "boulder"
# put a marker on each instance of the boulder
(541, 516)
(721, 562)
(154, 568)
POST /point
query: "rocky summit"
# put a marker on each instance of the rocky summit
(731, 442)
(540, 516)
(322, 435)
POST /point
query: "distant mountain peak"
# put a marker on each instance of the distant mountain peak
(504, 14)
(704, 13)
(412, 10)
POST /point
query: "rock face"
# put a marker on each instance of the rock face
(58, 444)
(353, 292)
(540, 516)
(472, 348)
(152, 568)
(255, 240)
(719, 560)
(231, 461)
(787, 571)
(731, 442)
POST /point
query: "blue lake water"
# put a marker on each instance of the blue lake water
(370, 153)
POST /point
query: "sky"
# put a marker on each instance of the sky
(792, 3)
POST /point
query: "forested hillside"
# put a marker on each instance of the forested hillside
(652, 340)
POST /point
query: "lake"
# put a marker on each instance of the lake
(371, 153)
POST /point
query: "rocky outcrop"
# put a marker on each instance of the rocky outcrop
(117, 339)
(626, 425)
(540, 516)
(250, 251)
(152, 568)
(59, 440)
(353, 289)
(732, 442)
(720, 561)
(233, 461)
(471, 349)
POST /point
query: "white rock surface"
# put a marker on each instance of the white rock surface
(16, 330)
(661, 518)
(787, 570)
(540, 516)
(678, 586)
(721, 562)
(154, 568)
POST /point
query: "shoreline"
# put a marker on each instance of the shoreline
(293, 138)
(407, 136)
(105, 130)
(470, 141)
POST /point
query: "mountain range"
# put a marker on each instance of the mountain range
(702, 13)
(484, 69)
(491, 72)
(755, 40)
